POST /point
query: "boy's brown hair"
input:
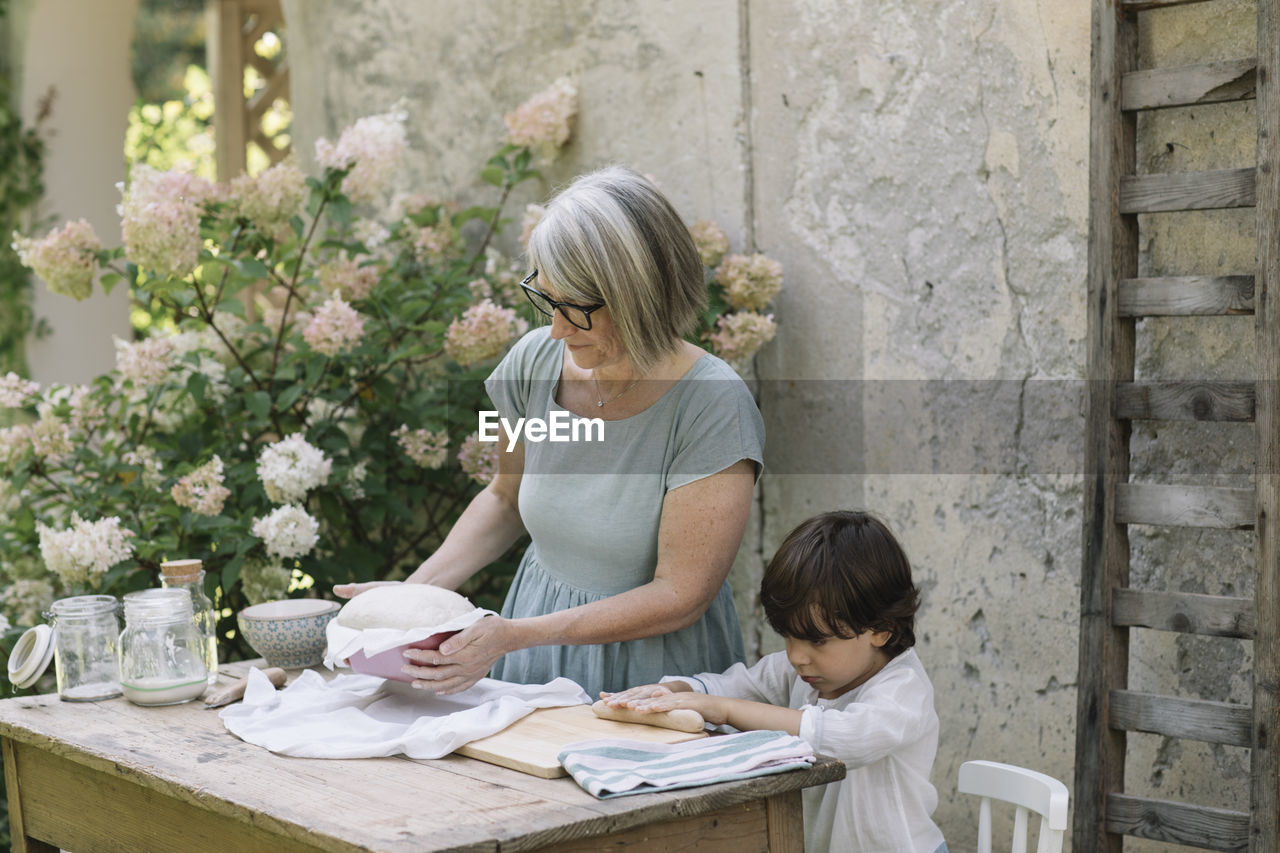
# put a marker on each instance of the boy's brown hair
(840, 574)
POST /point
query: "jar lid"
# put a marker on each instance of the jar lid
(181, 568)
(31, 655)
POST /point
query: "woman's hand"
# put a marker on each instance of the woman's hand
(653, 698)
(626, 698)
(463, 659)
(351, 590)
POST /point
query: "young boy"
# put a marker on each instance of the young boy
(839, 591)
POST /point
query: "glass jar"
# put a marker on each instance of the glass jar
(161, 651)
(189, 575)
(85, 629)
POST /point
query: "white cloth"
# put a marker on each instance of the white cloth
(884, 730)
(361, 716)
(613, 767)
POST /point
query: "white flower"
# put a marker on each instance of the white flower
(287, 531)
(290, 468)
(86, 550)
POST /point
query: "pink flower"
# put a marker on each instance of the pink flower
(64, 258)
(348, 278)
(749, 282)
(271, 197)
(545, 121)
(479, 459)
(425, 448)
(15, 391)
(482, 332)
(202, 490)
(739, 336)
(160, 219)
(434, 241)
(335, 327)
(145, 362)
(710, 241)
(371, 148)
(533, 214)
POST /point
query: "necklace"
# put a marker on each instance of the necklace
(600, 401)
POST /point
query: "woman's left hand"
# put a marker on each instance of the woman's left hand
(461, 660)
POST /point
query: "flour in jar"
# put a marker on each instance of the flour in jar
(403, 606)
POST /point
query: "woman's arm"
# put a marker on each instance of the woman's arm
(699, 532)
(486, 529)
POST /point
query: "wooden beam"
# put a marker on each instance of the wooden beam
(1178, 823)
(1187, 85)
(1185, 401)
(1109, 353)
(1185, 612)
(1144, 5)
(1185, 296)
(1172, 716)
(1264, 799)
(1184, 506)
(1174, 191)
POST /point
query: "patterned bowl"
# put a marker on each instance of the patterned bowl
(289, 633)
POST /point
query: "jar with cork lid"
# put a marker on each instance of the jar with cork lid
(189, 575)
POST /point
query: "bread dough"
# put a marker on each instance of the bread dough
(403, 606)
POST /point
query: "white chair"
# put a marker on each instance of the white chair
(1025, 789)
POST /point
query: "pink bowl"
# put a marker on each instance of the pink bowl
(387, 664)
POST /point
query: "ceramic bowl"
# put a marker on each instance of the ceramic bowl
(387, 664)
(289, 633)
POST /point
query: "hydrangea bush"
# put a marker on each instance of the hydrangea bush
(309, 415)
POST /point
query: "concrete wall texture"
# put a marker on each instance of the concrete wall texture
(920, 169)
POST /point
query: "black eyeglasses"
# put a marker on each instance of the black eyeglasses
(578, 315)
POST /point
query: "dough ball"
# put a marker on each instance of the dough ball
(403, 606)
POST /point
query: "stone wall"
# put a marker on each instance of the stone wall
(920, 169)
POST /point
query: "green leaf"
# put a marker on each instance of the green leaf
(231, 306)
(109, 281)
(493, 175)
(259, 403)
(196, 384)
(290, 395)
(340, 210)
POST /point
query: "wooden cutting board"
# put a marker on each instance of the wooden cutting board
(532, 743)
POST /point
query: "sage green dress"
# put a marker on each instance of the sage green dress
(592, 509)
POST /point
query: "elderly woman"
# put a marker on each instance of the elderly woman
(633, 531)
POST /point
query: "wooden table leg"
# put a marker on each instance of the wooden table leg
(785, 820)
(22, 843)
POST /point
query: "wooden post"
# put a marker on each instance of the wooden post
(1113, 244)
(1264, 800)
(224, 20)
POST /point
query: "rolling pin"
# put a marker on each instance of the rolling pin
(681, 719)
(234, 691)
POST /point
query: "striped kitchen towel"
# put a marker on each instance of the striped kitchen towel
(614, 767)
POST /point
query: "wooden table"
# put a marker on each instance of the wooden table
(114, 776)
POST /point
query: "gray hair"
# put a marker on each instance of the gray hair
(612, 237)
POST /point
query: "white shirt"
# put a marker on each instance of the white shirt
(884, 730)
